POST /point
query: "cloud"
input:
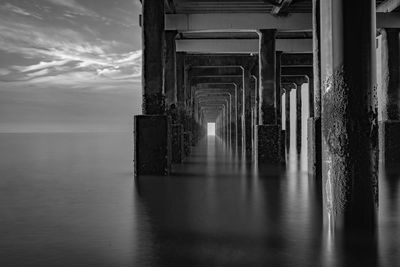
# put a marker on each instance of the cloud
(66, 57)
(38, 73)
(40, 65)
(75, 8)
(4, 71)
(12, 8)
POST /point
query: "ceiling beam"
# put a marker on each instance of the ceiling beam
(240, 45)
(282, 8)
(273, 2)
(388, 6)
(387, 20)
(232, 22)
(237, 21)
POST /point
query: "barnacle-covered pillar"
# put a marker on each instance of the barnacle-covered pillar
(349, 113)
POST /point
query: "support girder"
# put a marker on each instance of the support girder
(388, 6)
(214, 22)
(236, 22)
(240, 45)
(220, 60)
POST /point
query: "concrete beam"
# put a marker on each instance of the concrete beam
(203, 93)
(237, 21)
(297, 79)
(214, 71)
(282, 7)
(388, 6)
(241, 45)
(297, 71)
(387, 20)
(297, 60)
(220, 60)
(211, 22)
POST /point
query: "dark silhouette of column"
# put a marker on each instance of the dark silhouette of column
(268, 131)
(152, 130)
(390, 126)
(247, 113)
(314, 122)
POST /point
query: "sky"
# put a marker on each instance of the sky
(69, 65)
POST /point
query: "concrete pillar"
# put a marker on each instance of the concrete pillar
(177, 143)
(267, 72)
(171, 96)
(349, 113)
(153, 57)
(268, 131)
(187, 116)
(390, 125)
(298, 116)
(180, 79)
(152, 130)
(247, 112)
(314, 122)
(278, 104)
(254, 109)
(169, 68)
(256, 101)
(180, 96)
(288, 88)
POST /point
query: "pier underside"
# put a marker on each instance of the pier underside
(275, 77)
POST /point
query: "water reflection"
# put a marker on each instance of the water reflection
(71, 201)
(241, 217)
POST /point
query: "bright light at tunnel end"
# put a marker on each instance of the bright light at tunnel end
(211, 129)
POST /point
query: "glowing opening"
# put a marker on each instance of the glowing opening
(211, 128)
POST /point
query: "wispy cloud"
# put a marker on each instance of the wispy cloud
(40, 65)
(4, 71)
(20, 11)
(65, 55)
(38, 73)
(74, 8)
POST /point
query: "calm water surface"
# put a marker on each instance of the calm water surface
(71, 200)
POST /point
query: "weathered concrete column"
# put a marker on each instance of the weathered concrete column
(298, 116)
(240, 117)
(390, 125)
(171, 96)
(180, 79)
(267, 72)
(278, 101)
(314, 122)
(268, 131)
(298, 81)
(349, 113)
(180, 95)
(152, 130)
(170, 69)
(153, 57)
(247, 112)
(187, 124)
(254, 109)
(288, 88)
(278, 105)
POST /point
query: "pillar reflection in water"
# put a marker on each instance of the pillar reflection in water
(305, 111)
(292, 162)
